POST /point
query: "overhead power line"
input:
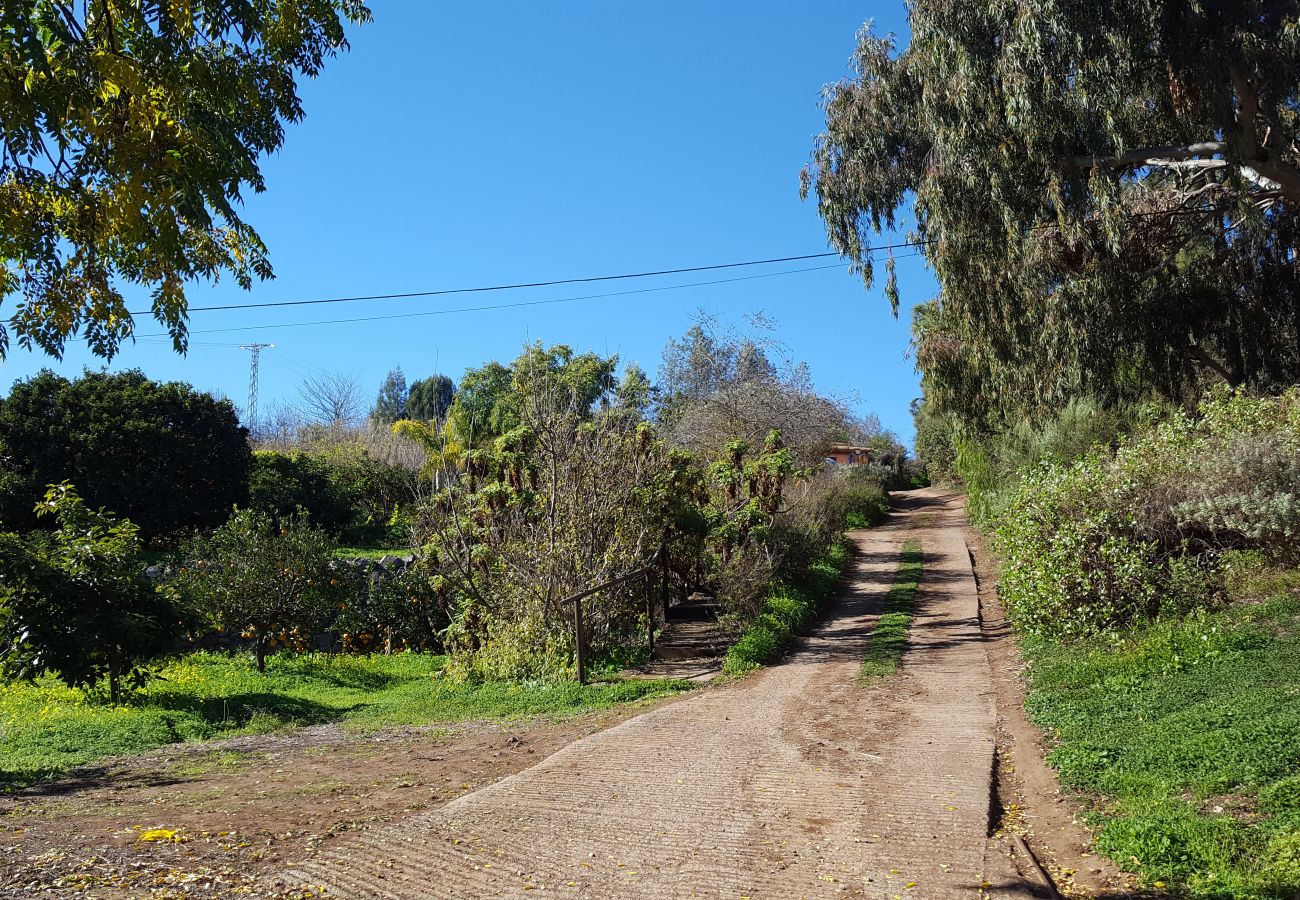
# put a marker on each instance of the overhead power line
(441, 292)
(515, 305)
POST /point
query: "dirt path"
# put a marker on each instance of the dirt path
(797, 782)
(242, 808)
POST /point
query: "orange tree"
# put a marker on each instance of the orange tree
(272, 584)
(75, 602)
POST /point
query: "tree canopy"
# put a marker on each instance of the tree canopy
(1107, 193)
(166, 456)
(430, 398)
(489, 401)
(390, 404)
(128, 134)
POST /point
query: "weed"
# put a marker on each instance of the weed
(889, 637)
(47, 728)
(1159, 725)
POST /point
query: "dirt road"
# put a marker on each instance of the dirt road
(797, 782)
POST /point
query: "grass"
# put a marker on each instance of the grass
(371, 552)
(47, 728)
(1185, 738)
(889, 637)
(787, 611)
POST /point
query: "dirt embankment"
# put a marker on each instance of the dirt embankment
(1029, 801)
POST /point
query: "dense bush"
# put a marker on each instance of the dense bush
(990, 465)
(1127, 534)
(75, 602)
(274, 584)
(376, 492)
(286, 485)
(395, 610)
(169, 458)
(343, 489)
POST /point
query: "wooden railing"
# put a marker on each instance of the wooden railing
(657, 562)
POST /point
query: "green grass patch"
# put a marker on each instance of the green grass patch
(1186, 738)
(787, 611)
(371, 552)
(889, 637)
(47, 728)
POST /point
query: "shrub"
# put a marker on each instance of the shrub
(1127, 534)
(273, 584)
(374, 492)
(74, 602)
(403, 610)
(286, 485)
(342, 489)
(860, 500)
(789, 608)
(169, 458)
(1071, 562)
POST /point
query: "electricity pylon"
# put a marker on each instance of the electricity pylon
(256, 350)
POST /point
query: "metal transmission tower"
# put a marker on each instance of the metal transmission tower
(256, 350)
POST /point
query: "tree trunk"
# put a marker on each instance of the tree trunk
(259, 650)
(115, 676)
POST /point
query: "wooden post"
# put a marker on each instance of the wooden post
(650, 613)
(581, 643)
(663, 583)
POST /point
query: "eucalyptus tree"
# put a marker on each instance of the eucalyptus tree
(128, 135)
(1106, 191)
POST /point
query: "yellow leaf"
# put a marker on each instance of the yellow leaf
(163, 835)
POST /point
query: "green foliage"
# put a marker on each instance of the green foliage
(285, 485)
(1072, 563)
(271, 583)
(343, 490)
(1106, 192)
(935, 442)
(47, 728)
(490, 400)
(789, 609)
(635, 393)
(551, 509)
(429, 399)
(1186, 736)
(390, 405)
(408, 609)
(74, 602)
(559, 487)
(128, 134)
(858, 499)
(1123, 535)
(169, 458)
(889, 636)
(376, 493)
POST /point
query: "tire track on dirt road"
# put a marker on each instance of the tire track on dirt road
(795, 782)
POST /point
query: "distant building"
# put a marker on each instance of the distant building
(845, 455)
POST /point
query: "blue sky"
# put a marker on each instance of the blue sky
(487, 143)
